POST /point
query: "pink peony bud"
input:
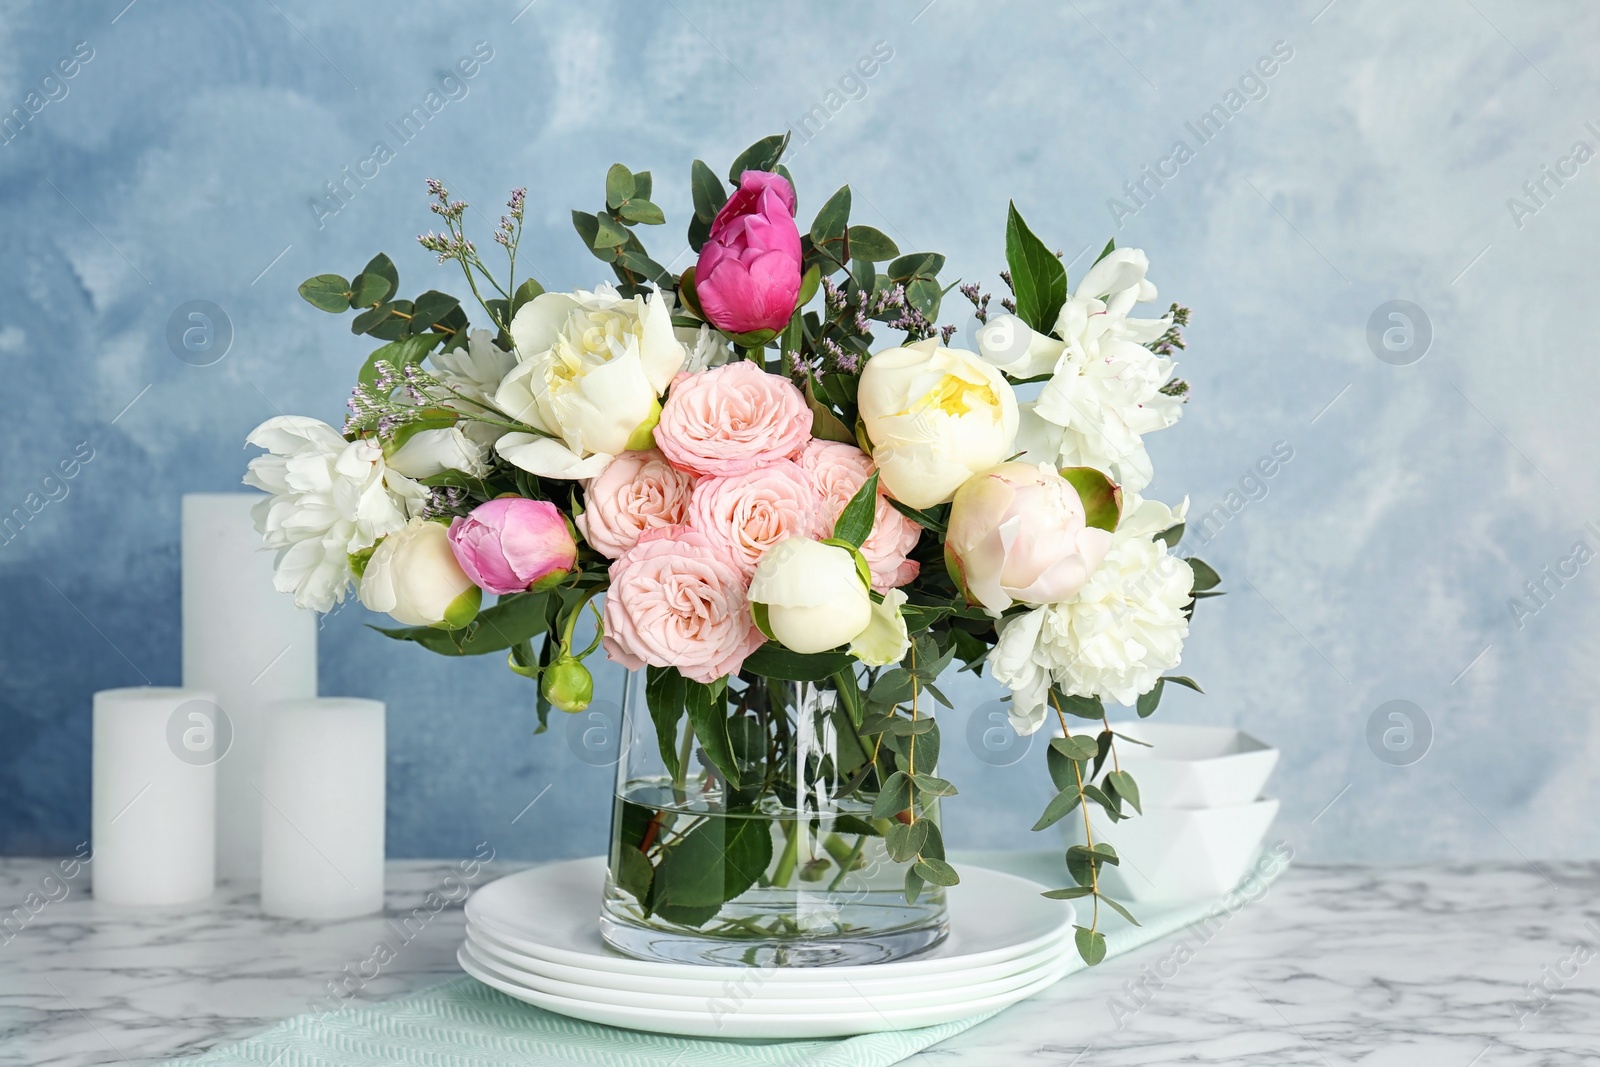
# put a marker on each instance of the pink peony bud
(1019, 532)
(748, 277)
(507, 545)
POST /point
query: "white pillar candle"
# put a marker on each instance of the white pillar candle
(246, 642)
(153, 821)
(322, 781)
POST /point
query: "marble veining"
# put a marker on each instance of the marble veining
(1487, 964)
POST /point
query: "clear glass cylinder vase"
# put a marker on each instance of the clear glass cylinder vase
(743, 831)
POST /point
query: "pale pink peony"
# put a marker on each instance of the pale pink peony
(637, 491)
(748, 513)
(731, 419)
(838, 471)
(676, 600)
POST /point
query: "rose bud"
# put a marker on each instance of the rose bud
(414, 577)
(748, 275)
(510, 544)
(1019, 532)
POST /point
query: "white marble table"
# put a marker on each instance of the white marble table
(1335, 965)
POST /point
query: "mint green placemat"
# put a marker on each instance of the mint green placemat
(462, 1023)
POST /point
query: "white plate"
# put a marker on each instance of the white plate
(733, 1019)
(821, 986)
(764, 997)
(552, 913)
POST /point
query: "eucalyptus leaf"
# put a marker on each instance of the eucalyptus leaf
(327, 292)
(619, 186)
(869, 243)
(1091, 945)
(763, 155)
(1204, 577)
(1061, 805)
(893, 798)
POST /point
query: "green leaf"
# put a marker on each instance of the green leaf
(829, 229)
(772, 660)
(914, 884)
(928, 520)
(1104, 799)
(1119, 909)
(514, 619)
(925, 295)
(1204, 577)
(1072, 893)
(904, 841)
(893, 798)
(751, 338)
(869, 243)
(937, 871)
(608, 234)
(1171, 535)
(383, 267)
(369, 289)
(927, 783)
(665, 695)
(588, 227)
(763, 155)
(709, 195)
(810, 282)
(855, 521)
(708, 714)
(1091, 945)
(1102, 498)
(1061, 770)
(525, 292)
(642, 212)
(710, 865)
(1111, 246)
(1188, 683)
(1082, 707)
(1126, 788)
(430, 307)
(634, 873)
(646, 267)
(619, 186)
(327, 292)
(1037, 276)
(1149, 701)
(1061, 805)
(915, 265)
(395, 324)
(1080, 747)
(407, 350)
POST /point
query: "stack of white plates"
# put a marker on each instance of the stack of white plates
(535, 936)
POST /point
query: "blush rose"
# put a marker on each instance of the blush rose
(637, 491)
(732, 419)
(838, 471)
(748, 513)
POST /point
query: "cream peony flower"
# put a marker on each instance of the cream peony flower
(414, 576)
(814, 596)
(885, 640)
(430, 452)
(1124, 629)
(591, 368)
(329, 498)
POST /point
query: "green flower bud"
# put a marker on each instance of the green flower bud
(567, 685)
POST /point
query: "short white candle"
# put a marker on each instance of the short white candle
(246, 642)
(154, 796)
(322, 809)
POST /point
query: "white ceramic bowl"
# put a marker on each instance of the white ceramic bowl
(1195, 766)
(1180, 854)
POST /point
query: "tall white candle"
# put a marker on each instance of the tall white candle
(246, 642)
(322, 826)
(153, 820)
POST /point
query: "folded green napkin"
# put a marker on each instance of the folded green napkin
(462, 1023)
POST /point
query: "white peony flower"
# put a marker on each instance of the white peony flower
(1105, 391)
(414, 577)
(329, 497)
(1124, 629)
(591, 368)
(885, 640)
(707, 348)
(814, 595)
(429, 452)
(475, 371)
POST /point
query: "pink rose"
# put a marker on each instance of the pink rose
(637, 491)
(676, 600)
(731, 419)
(746, 514)
(507, 545)
(748, 276)
(838, 471)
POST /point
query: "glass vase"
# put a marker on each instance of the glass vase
(780, 862)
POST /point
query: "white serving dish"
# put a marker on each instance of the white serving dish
(823, 987)
(1195, 766)
(552, 913)
(742, 1019)
(1180, 854)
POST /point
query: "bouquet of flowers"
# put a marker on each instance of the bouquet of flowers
(775, 467)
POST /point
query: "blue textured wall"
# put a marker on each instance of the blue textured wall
(181, 163)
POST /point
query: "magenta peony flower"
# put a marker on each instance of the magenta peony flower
(508, 544)
(748, 277)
